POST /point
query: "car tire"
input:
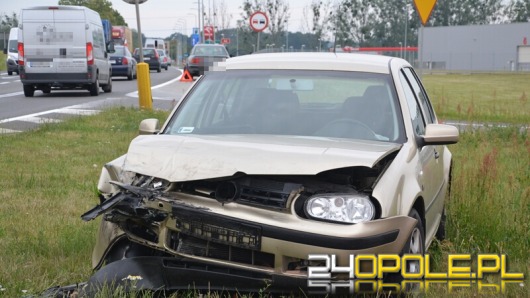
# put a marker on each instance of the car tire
(135, 75)
(414, 245)
(108, 87)
(416, 242)
(94, 88)
(29, 90)
(166, 67)
(130, 75)
(46, 90)
(9, 73)
(159, 69)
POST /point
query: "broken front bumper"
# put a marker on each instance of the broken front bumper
(237, 237)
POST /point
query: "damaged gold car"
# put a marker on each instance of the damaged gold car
(269, 158)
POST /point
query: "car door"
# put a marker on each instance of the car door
(431, 175)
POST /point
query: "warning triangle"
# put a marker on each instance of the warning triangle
(186, 76)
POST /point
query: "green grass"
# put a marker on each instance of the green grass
(501, 97)
(49, 179)
(3, 66)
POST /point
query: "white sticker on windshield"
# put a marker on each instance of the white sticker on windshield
(185, 129)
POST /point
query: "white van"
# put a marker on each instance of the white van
(157, 43)
(12, 52)
(63, 47)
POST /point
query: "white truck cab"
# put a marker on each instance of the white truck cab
(63, 47)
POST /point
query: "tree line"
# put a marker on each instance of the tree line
(356, 23)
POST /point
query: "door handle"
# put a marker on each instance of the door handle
(436, 154)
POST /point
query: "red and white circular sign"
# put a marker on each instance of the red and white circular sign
(259, 21)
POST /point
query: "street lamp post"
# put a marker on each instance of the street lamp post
(237, 36)
(145, 99)
(180, 52)
(286, 34)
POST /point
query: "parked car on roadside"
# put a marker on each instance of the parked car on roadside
(203, 56)
(270, 158)
(123, 63)
(164, 59)
(11, 52)
(151, 57)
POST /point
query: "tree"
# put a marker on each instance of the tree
(467, 12)
(518, 11)
(318, 13)
(103, 7)
(222, 18)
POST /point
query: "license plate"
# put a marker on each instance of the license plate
(39, 64)
(112, 61)
(147, 58)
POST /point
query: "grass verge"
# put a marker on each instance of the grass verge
(495, 97)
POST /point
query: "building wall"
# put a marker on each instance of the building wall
(474, 47)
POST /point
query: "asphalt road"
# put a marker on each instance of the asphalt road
(20, 113)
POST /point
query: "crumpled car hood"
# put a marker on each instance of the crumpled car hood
(195, 157)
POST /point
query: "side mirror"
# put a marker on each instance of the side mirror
(440, 134)
(149, 126)
(110, 47)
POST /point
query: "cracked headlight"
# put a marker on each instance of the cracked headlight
(343, 208)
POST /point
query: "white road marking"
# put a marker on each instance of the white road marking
(40, 120)
(67, 110)
(5, 130)
(11, 94)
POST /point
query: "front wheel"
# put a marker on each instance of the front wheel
(9, 73)
(414, 245)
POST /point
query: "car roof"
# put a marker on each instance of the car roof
(209, 45)
(311, 61)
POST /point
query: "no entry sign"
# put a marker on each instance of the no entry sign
(259, 21)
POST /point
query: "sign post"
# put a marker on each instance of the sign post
(424, 9)
(259, 22)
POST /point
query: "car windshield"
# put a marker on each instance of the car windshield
(119, 51)
(161, 52)
(209, 51)
(312, 103)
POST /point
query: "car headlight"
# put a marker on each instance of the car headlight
(343, 208)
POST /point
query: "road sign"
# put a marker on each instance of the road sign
(225, 40)
(194, 39)
(259, 21)
(208, 33)
(424, 9)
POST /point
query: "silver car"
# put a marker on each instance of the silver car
(268, 159)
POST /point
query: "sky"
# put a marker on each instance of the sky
(161, 18)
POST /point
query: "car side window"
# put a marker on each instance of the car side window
(420, 95)
(418, 123)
